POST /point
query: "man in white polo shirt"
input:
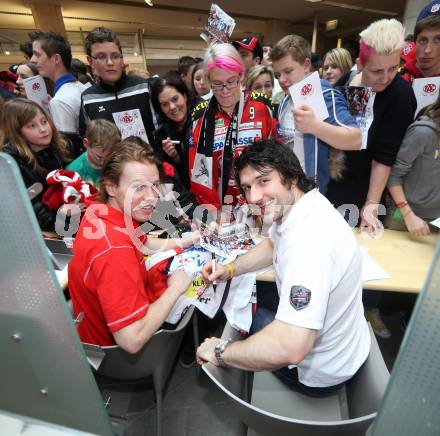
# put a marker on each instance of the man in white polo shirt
(319, 326)
(52, 55)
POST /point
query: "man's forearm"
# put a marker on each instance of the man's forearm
(277, 345)
(256, 258)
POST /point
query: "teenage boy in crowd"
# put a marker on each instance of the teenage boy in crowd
(101, 136)
(52, 55)
(185, 67)
(425, 62)
(309, 137)
(250, 51)
(123, 100)
(319, 324)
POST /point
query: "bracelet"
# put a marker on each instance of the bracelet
(401, 204)
(230, 269)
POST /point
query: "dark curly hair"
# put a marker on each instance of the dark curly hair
(267, 155)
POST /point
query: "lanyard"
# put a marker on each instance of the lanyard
(228, 149)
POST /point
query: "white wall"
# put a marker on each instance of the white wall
(412, 9)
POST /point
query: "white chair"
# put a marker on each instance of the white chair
(271, 408)
(155, 359)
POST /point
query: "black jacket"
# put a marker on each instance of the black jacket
(101, 101)
(169, 129)
(50, 161)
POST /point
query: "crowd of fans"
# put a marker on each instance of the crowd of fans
(192, 123)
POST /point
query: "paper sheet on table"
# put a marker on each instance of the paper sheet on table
(309, 91)
(35, 88)
(426, 90)
(371, 270)
(435, 223)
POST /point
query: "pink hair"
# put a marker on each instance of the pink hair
(365, 51)
(226, 63)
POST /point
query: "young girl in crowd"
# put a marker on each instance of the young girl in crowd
(33, 141)
(414, 181)
(201, 86)
(260, 79)
(337, 62)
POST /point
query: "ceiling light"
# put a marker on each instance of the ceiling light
(7, 52)
(314, 1)
(135, 53)
(149, 2)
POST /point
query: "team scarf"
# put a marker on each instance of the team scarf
(205, 145)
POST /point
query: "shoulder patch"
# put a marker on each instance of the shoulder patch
(199, 109)
(262, 98)
(299, 297)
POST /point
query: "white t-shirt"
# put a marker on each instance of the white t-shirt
(291, 137)
(65, 106)
(318, 270)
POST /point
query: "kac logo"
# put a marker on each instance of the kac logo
(36, 86)
(430, 88)
(307, 89)
(127, 119)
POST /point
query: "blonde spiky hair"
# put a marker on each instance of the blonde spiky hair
(384, 36)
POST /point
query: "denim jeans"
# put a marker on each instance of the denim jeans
(262, 318)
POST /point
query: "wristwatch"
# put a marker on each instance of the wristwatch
(219, 349)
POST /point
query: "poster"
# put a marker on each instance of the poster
(426, 91)
(219, 25)
(360, 101)
(308, 91)
(36, 90)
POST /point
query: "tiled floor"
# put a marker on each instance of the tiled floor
(193, 405)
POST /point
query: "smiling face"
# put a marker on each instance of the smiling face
(380, 70)
(23, 72)
(37, 132)
(107, 60)
(173, 105)
(428, 51)
(288, 71)
(266, 190)
(137, 191)
(225, 86)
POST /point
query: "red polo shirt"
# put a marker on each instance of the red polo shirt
(108, 280)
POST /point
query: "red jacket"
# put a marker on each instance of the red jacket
(257, 122)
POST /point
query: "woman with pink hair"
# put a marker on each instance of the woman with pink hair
(224, 126)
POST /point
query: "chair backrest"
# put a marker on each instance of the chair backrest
(160, 350)
(231, 382)
(45, 374)
(366, 389)
(411, 403)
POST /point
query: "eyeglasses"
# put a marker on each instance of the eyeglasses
(218, 86)
(104, 58)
